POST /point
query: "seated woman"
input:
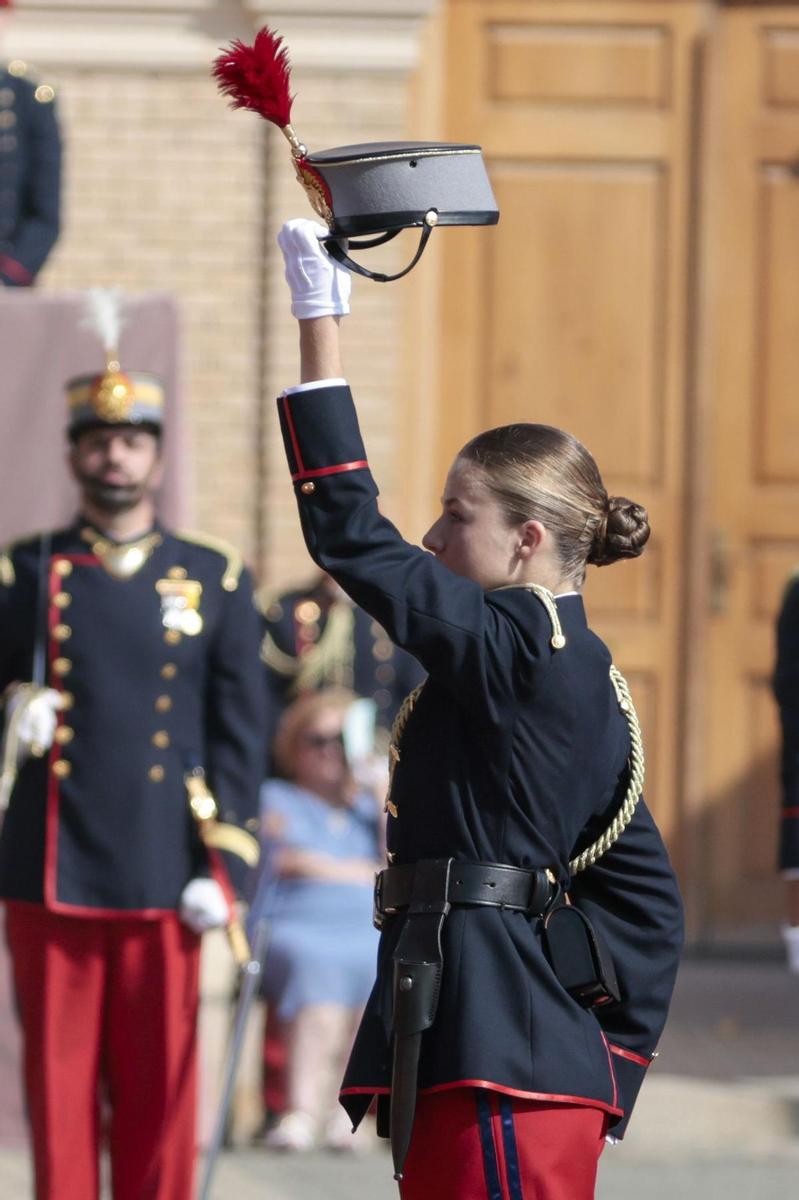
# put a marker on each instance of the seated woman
(322, 839)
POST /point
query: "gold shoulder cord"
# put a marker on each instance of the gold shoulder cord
(635, 787)
(233, 560)
(397, 730)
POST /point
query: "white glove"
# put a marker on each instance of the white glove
(320, 287)
(203, 905)
(36, 722)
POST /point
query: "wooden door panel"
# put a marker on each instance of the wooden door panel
(585, 349)
(578, 63)
(752, 359)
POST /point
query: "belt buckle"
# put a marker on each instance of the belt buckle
(378, 916)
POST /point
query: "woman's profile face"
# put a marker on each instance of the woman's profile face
(318, 753)
(472, 536)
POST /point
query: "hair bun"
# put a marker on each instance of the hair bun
(623, 534)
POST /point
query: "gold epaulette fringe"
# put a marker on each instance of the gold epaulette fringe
(233, 560)
(7, 574)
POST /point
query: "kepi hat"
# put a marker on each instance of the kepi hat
(376, 188)
(112, 397)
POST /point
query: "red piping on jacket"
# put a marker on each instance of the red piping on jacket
(551, 1097)
(636, 1058)
(318, 471)
(50, 881)
(790, 812)
(15, 270)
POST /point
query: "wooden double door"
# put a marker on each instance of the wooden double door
(642, 291)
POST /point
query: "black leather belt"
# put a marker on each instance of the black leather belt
(492, 884)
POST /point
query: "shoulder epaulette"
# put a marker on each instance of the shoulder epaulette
(7, 574)
(233, 560)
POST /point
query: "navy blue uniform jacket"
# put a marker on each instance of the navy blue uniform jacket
(786, 689)
(30, 178)
(101, 825)
(515, 753)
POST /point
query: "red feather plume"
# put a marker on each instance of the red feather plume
(257, 77)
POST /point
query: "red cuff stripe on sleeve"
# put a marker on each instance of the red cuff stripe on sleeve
(293, 435)
(337, 470)
(636, 1058)
(15, 270)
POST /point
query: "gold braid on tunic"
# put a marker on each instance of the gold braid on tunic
(635, 788)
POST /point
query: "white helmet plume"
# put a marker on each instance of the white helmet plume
(105, 317)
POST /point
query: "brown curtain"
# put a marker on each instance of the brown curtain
(42, 345)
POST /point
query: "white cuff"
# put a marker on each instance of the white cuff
(313, 383)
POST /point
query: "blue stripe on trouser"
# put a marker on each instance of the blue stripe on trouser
(490, 1167)
(513, 1175)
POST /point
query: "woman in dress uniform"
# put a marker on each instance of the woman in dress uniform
(495, 1076)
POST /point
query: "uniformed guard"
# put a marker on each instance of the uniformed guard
(509, 1027)
(134, 713)
(315, 637)
(30, 171)
(786, 690)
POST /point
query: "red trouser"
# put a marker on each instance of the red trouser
(475, 1144)
(111, 1003)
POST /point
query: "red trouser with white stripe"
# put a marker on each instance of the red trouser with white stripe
(109, 1012)
(477, 1144)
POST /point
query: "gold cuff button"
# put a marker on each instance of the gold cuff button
(156, 773)
(172, 637)
(62, 599)
(169, 671)
(62, 632)
(163, 704)
(62, 567)
(62, 769)
(64, 734)
(160, 739)
(308, 488)
(62, 666)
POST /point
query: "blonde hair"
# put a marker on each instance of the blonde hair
(538, 472)
(299, 716)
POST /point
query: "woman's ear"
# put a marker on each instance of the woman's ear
(532, 536)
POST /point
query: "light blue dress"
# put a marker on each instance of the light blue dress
(321, 942)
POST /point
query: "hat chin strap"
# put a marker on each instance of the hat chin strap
(336, 249)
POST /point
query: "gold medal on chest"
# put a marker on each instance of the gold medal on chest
(122, 560)
(180, 605)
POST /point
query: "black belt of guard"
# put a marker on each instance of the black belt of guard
(474, 883)
(423, 893)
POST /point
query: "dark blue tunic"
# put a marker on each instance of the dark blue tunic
(515, 753)
(102, 825)
(786, 689)
(30, 178)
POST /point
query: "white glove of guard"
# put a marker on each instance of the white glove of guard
(320, 287)
(37, 720)
(203, 905)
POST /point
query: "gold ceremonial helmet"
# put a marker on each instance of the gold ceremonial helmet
(115, 397)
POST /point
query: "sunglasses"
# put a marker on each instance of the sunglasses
(320, 741)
